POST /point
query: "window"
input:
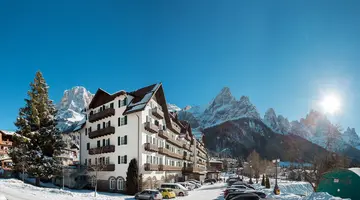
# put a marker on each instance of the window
(122, 102)
(156, 122)
(85, 131)
(95, 161)
(107, 161)
(112, 183)
(119, 141)
(98, 127)
(111, 105)
(123, 121)
(85, 162)
(103, 142)
(87, 146)
(123, 159)
(108, 142)
(118, 159)
(119, 103)
(120, 183)
(90, 130)
(109, 123)
(119, 121)
(89, 161)
(125, 101)
(103, 124)
(148, 159)
(98, 143)
(123, 140)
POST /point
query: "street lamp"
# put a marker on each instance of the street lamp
(276, 188)
(250, 175)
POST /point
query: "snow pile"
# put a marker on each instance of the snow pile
(322, 196)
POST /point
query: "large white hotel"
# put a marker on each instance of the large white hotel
(126, 125)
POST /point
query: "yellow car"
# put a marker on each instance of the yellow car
(167, 193)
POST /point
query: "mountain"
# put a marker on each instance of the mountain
(70, 108)
(351, 137)
(173, 107)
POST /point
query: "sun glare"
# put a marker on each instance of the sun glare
(331, 104)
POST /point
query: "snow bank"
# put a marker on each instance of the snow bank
(322, 196)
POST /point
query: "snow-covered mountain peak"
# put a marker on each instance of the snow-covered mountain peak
(224, 97)
(173, 107)
(350, 136)
(71, 106)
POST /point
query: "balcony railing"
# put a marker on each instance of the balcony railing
(176, 142)
(175, 127)
(151, 147)
(201, 155)
(164, 134)
(186, 146)
(169, 153)
(108, 167)
(192, 169)
(152, 128)
(201, 148)
(6, 143)
(169, 168)
(102, 114)
(157, 113)
(104, 149)
(102, 132)
(151, 167)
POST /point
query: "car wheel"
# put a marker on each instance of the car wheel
(181, 194)
(166, 197)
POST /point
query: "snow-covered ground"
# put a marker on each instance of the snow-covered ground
(14, 189)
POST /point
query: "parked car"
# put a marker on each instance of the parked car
(187, 185)
(240, 187)
(196, 181)
(193, 186)
(245, 196)
(196, 184)
(167, 193)
(237, 192)
(242, 183)
(149, 195)
(210, 180)
(177, 188)
(230, 190)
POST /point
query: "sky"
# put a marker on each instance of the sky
(286, 55)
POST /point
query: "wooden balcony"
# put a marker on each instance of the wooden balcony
(102, 132)
(152, 128)
(186, 146)
(164, 134)
(100, 150)
(157, 113)
(201, 148)
(169, 168)
(200, 162)
(175, 127)
(192, 169)
(102, 114)
(107, 168)
(175, 142)
(167, 152)
(151, 147)
(201, 155)
(6, 143)
(151, 167)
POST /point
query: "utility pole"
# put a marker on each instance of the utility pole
(63, 179)
(276, 188)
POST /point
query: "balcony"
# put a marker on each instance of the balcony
(164, 134)
(167, 152)
(186, 157)
(107, 168)
(176, 142)
(102, 132)
(192, 169)
(201, 162)
(102, 114)
(151, 147)
(186, 146)
(175, 127)
(157, 113)
(100, 150)
(169, 168)
(2, 152)
(201, 155)
(152, 128)
(200, 147)
(6, 143)
(151, 167)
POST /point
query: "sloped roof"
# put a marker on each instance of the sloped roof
(355, 170)
(7, 132)
(101, 97)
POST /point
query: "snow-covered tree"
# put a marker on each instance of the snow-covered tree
(37, 141)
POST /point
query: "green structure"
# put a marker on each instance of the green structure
(344, 183)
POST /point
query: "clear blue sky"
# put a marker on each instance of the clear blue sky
(282, 54)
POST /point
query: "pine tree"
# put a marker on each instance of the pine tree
(263, 180)
(267, 183)
(37, 142)
(132, 178)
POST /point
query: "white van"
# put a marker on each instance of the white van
(178, 189)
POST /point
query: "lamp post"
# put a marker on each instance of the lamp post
(276, 188)
(250, 175)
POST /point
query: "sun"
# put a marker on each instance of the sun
(331, 104)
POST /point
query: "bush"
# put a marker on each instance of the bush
(267, 183)
(263, 180)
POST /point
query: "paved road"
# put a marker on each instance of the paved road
(17, 196)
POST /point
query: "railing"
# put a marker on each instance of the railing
(176, 142)
(151, 167)
(186, 146)
(107, 167)
(152, 128)
(104, 149)
(164, 134)
(174, 127)
(102, 114)
(151, 147)
(191, 169)
(200, 147)
(201, 155)
(164, 151)
(169, 168)
(201, 162)
(157, 113)
(105, 131)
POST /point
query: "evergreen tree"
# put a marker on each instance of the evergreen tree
(132, 178)
(38, 142)
(267, 183)
(263, 180)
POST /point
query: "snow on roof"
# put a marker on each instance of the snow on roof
(355, 170)
(7, 132)
(215, 161)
